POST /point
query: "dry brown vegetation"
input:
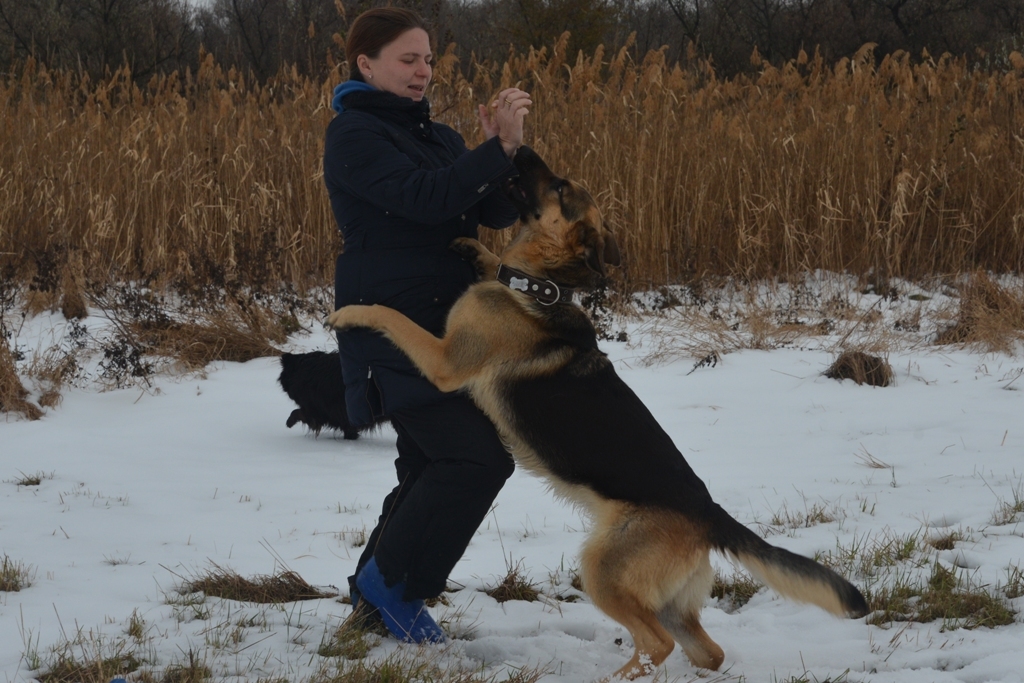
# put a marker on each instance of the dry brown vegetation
(12, 392)
(284, 586)
(14, 575)
(862, 368)
(207, 187)
(735, 591)
(904, 167)
(990, 316)
(516, 585)
(67, 668)
(237, 330)
(407, 666)
(945, 596)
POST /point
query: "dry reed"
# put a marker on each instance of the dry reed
(221, 337)
(899, 168)
(12, 392)
(237, 329)
(990, 316)
(72, 298)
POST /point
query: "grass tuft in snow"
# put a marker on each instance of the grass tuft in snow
(114, 560)
(525, 675)
(192, 671)
(866, 556)
(1014, 582)
(735, 591)
(31, 479)
(30, 654)
(812, 515)
(1007, 512)
(352, 640)
(515, 586)
(862, 368)
(136, 628)
(868, 459)
(562, 575)
(944, 596)
(188, 606)
(416, 665)
(14, 575)
(401, 666)
(897, 591)
(353, 538)
(89, 658)
(807, 677)
(577, 582)
(285, 586)
(945, 541)
(226, 635)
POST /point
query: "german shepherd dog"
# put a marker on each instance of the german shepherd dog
(530, 361)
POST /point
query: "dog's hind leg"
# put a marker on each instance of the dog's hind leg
(651, 641)
(681, 617)
(623, 585)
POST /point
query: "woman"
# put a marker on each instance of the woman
(402, 187)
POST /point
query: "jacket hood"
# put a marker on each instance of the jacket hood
(345, 88)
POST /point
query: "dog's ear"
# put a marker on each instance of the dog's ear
(597, 250)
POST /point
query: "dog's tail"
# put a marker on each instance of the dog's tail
(791, 575)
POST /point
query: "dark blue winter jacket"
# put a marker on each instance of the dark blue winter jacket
(402, 187)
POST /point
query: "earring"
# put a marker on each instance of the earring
(371, 76)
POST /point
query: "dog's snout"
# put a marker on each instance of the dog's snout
(530, 165)
(524, 157)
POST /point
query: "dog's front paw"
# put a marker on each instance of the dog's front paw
(347, 316)
(468, 248)
(481, 258)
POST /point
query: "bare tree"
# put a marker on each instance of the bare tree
(100, 34)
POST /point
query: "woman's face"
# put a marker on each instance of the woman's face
(403, 66)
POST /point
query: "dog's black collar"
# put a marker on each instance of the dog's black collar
(544, 291)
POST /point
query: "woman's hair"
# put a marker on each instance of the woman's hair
(375, 28)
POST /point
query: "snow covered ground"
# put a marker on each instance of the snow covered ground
(142, 488)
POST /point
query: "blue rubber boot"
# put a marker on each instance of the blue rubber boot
(408, 621)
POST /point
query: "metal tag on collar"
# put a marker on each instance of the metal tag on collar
(519, 283)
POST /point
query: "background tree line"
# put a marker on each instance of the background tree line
(262, 36)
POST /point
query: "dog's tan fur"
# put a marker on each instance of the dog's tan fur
(646, 567)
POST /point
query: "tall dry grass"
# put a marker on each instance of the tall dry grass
(200, 179)
(905, 168)
(901, 170)
(13, 395)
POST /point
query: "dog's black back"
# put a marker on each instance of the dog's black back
(590, 428)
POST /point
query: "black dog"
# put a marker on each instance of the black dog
(313, 380)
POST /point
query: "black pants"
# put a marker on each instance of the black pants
(451, 465)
